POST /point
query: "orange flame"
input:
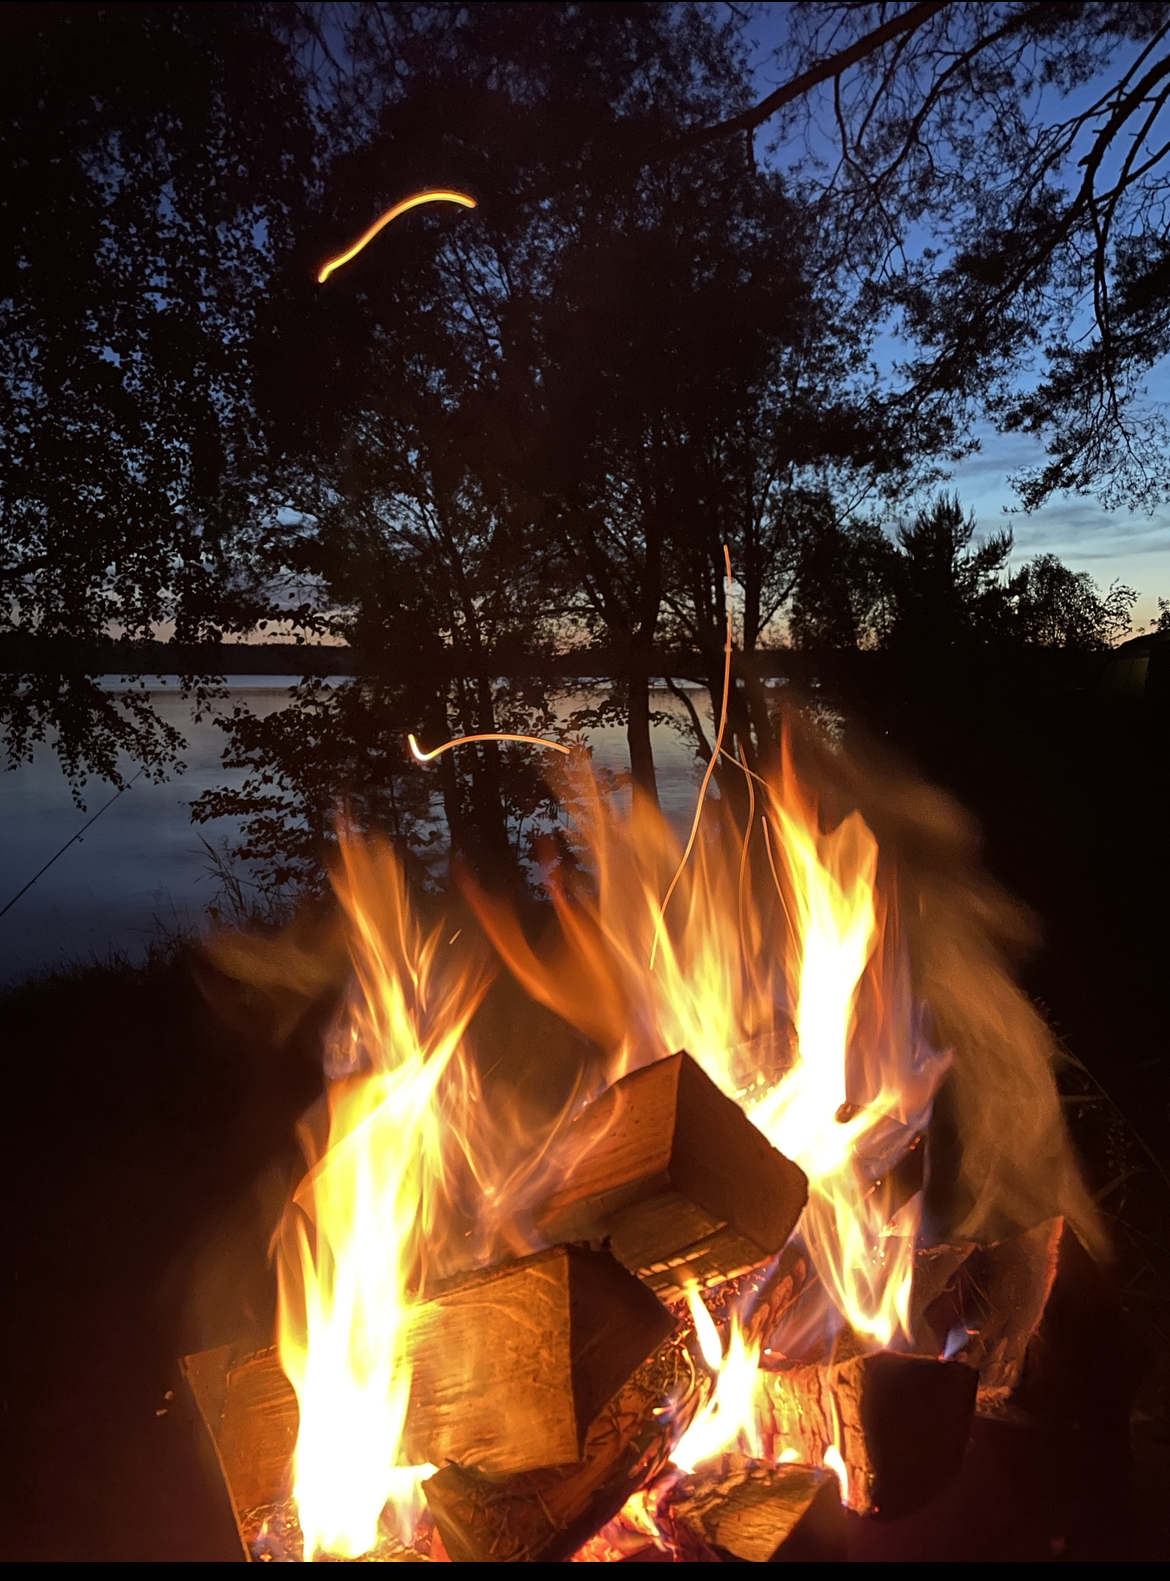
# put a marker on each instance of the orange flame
(779, 968)
(361, 1219)
(731, 1417)
(392, 213)
(839, 943)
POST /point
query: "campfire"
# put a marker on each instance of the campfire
(797, 1222)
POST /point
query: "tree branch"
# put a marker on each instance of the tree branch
(906, 22)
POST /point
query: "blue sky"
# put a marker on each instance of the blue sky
(1130, 546)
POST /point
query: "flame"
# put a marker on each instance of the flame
(835, 1464)
(392, 213)
(731, 1417)
(839, 922)
(357, 1230)
(779, 967)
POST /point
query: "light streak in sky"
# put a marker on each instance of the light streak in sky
(441, 196)
(492, 735)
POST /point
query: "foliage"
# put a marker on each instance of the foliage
(931, 586)
(996, 173)
(499, 435)
(151, 160)
(1053, 607)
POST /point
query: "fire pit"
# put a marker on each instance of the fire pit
(764, 1268)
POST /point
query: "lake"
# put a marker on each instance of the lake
(141, 872)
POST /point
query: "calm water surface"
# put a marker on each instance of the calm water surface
(141, 871)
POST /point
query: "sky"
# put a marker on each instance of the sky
(1112, 545)
(1120, 545)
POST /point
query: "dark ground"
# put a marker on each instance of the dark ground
(148, 1144)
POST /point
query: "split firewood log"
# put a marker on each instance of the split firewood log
(251, 1415)
(675, 1176)
(1003, 1293)
(547, 1515)
(1038, 1318)
(900, 1424)
(751, 1510)
(511, 1366)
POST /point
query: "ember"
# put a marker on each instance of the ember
(701, 1313)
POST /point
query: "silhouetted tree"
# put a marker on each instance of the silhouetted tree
(1051, 606)
(945, 586)
(155, 159)
(844, 593)
(996, 174)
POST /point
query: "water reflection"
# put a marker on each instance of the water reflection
(141, 872)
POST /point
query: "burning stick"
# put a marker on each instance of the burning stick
(671, 1170)
(383, 220)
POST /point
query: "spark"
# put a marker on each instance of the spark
(492, 735)
(442, 196)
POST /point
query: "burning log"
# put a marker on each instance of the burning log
(677, 1178)
(251, 1415)
(762, 1297)
(751, 1510)
(511, 1366)
(547, 1514)
(899, 1424)
(1004, 1291)
(1033, 1314)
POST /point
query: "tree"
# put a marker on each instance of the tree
(945, 586)
(932, 588)
(1051, 606)
(706, 395)
(155, 162)
(555, 414)
(844, 592)
(995, 174)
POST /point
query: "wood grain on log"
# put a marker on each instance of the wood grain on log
(679, 1180)
(251, 1414)
(547, 1515)
(1005, 1289)
(986, 1304)
(511, 1365)
(749, 1509)
(900, 1424)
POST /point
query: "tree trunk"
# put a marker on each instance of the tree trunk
(638, 722)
